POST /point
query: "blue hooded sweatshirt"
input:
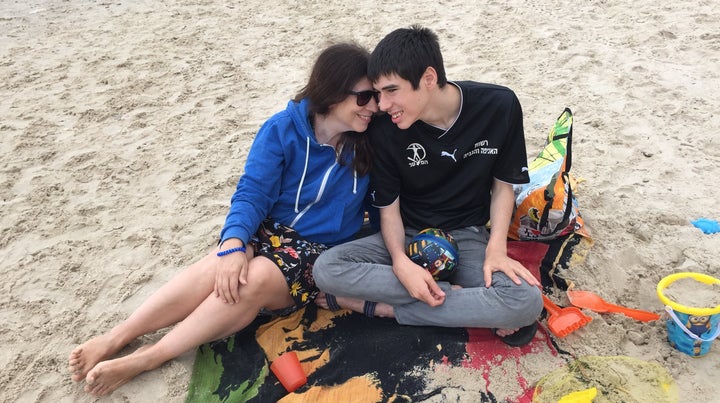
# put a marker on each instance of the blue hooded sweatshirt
(297, 182)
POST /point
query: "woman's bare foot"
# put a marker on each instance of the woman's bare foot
(84, 357)
(357, 305)
(109, 375)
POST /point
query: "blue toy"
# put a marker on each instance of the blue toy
(436, 251)
(706, 225)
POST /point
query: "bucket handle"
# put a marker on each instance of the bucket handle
(671, 312)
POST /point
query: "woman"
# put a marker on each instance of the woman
(302, 191)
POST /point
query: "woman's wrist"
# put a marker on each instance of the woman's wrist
(230, 245)
(231, 250)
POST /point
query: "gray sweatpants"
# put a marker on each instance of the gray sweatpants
(362, 269)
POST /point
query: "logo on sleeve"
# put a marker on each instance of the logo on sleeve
(418, 155)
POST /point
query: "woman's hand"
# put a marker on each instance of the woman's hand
(230, 274)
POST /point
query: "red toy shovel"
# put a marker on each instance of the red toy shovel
(563, 321)
(593, 302)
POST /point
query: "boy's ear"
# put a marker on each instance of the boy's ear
(429, 77)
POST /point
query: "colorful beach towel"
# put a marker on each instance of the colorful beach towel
(351, 358)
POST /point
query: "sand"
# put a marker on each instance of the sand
(124, 126)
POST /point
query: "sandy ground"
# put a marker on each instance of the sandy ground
(124, 126)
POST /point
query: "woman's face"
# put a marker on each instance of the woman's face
(356, 117)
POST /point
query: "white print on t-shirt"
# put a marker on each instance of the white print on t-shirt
(480, 148)
(447, 154)
(418, 155)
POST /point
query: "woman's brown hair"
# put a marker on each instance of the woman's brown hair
(335, 72)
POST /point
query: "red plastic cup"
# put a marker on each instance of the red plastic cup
(288, 371)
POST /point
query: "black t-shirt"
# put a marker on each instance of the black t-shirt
(444, 178)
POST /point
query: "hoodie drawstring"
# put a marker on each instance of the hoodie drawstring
(354, 175)
(302, 179)
(322, 185)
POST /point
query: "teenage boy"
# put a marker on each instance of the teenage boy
(446, 156)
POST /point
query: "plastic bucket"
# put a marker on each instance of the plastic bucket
(690, 330)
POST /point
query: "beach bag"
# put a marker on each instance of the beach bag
(546, 208)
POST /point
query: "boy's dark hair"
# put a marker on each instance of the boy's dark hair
(407, 52)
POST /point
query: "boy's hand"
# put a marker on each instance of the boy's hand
(511, 267)
(419, 282)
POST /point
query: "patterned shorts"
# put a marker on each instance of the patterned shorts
(294, 256)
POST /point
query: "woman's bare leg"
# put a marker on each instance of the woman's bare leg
(170, 304)
(212, 320)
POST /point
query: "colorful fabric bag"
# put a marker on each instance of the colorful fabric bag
(546, 208)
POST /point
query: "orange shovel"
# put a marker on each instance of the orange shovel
(593, 302)
(563, 321)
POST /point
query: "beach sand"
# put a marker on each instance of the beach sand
(124, 126)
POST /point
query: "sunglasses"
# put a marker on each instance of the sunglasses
(363, 97)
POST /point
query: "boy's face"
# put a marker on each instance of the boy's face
(398, 98)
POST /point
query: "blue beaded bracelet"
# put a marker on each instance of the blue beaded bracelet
(231, 250)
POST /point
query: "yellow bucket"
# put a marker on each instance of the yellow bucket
(690, 330)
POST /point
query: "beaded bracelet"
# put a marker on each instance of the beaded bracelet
(231, 250)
